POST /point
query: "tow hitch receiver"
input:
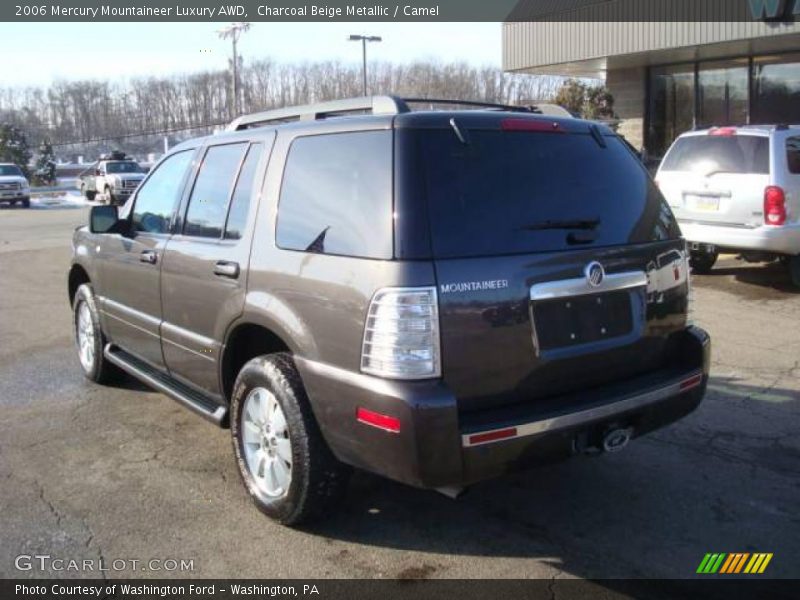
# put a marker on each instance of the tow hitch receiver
(616, 439)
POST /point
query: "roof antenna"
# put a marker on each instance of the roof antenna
(461, 136)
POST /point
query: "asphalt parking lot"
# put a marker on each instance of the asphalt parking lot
(125, 473)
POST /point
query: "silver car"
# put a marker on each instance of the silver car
(737, 189)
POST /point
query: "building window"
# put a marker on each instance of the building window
(671, 110)
(776, 90)
(722, 93)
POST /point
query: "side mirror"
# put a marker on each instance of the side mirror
(98, 172)
(102, 218)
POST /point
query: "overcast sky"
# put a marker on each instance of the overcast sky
(38, 53)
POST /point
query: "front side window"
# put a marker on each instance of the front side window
(337, 195)
(793, 154)
(157, 197)
(208, 203)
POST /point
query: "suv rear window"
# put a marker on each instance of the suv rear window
(336, 196)
(523, 192)
(709, 154)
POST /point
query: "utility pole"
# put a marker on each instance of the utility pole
(364, 39)
(234, 31)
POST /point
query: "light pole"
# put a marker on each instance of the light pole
(234, 32)
(364, 39)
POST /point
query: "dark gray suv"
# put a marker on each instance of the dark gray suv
(438, 296)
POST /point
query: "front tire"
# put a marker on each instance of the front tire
(90, 196)
(89, 338)
(110, 199)
(285, 464)
(703, 262)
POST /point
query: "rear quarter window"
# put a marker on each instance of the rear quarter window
(336, 196)
(707, 154)
(793, 154)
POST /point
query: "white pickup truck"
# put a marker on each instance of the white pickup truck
(14, 187)
(112, 179)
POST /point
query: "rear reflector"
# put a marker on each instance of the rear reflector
(723, 131)
(692, 382)
(492, 436)
(531, 125)
(378, 420)
(774, 205)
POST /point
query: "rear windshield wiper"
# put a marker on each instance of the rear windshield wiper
(570, 224)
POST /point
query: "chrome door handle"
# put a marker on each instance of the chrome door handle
(148, 256)
(224, 268)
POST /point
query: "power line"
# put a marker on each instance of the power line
(139, 134)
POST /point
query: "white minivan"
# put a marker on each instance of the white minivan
(737, 189)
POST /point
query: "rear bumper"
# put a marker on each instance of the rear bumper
(438, 447)
(781, 240)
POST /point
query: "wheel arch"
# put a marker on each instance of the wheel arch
(244, 341)
(77, 277)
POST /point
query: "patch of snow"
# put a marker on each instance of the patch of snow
(71, 199)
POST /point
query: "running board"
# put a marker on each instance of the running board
(194, 401)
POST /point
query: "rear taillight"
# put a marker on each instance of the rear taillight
(774, 205)
(401, 335)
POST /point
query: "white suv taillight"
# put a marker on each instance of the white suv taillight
(401, 335)
(774, 205)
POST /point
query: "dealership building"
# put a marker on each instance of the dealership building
(670, 77)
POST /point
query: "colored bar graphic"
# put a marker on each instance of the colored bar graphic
(754, 563)
(727, 564)
(713, 568)
(703, 563)
(734, 563)
(741, 562)
(765, 563)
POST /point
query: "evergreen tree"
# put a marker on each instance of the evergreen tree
(587, 102)
(14, 147)
(46, 164)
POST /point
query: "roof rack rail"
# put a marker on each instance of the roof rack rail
(375, 105)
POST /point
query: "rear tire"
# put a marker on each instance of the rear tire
(285, 464)
(89, 338)
(793, 264)
(703, 262)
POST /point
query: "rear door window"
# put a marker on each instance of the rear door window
(208, 203)
(336, 196)
(524, 192)
(711, 154)
(240, 203)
